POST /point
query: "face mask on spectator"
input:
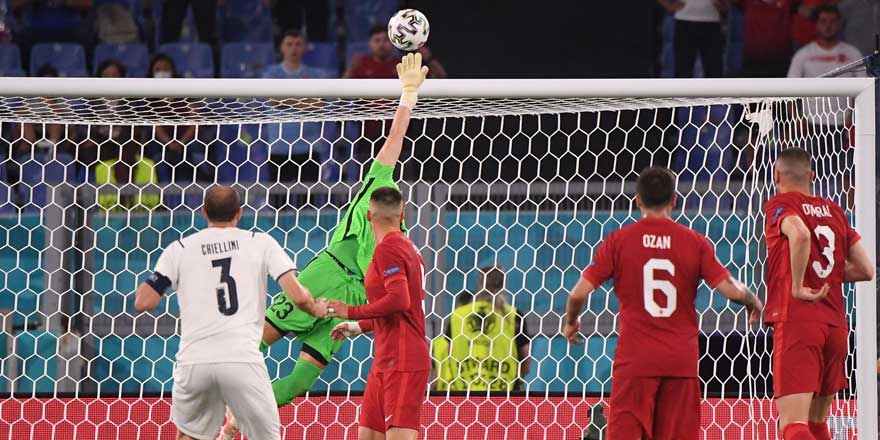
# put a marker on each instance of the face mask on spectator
(162, 74)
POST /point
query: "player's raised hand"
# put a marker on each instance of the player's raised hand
(811, 295)
(570, 331)
(345, 330)
(412, 74)
(337, 309)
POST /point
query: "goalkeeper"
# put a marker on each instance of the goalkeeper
(337, 272)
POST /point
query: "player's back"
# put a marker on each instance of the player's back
(657, 265)
(830, 238)
(221, 289)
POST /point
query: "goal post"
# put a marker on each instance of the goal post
(528, 175)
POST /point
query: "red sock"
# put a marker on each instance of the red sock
(820, 431)
(797, 431)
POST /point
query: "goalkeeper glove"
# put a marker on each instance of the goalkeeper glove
(412, 74)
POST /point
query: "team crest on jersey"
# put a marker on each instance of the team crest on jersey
(391, 271)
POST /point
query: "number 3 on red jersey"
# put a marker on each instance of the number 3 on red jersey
(650, 285)
(826, 232)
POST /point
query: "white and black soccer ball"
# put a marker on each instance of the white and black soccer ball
(408, 30)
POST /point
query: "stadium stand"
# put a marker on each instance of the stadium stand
(10, 60)
(193, 60)
(68, 58)
(245, 60)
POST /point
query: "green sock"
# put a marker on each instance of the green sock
(296, 383)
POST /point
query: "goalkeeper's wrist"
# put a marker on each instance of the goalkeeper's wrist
(409, 100)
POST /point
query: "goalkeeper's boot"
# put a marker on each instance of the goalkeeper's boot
(230, 429)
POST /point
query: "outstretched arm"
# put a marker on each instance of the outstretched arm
(412, 74)
(739, 293)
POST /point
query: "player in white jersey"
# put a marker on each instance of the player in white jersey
(219, 274)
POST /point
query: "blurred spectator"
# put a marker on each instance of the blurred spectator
(179, 153)
(115, 24)
(826, 52)
(100, 137)
(827, 120)
(435, 69)
(45, 138)
(861, 21)
(292, 48)
(111, 68)
(174, 12)
(803, 26)
(127, 168)
(311, 16)
(381, 62)
(485, 345)
(767, 37)
(296, 149)
(697, 29)
(50, 21)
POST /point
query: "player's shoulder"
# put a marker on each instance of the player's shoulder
(397, 243)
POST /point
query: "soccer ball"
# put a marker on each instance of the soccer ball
(408, 29)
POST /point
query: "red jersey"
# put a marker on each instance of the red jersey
(367, 66)
(657, 265)
(830, 239)
(767, 26)
(395, 293)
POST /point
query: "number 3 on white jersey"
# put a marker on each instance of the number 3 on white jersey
(827, 251)
(650, 285)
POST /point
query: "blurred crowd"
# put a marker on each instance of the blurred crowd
(328, 39)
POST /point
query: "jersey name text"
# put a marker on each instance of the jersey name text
(219, 248)
(657, 242)
(816, 211)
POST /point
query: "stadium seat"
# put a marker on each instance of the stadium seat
(322, 55)
(245, 60)
(361, 15)
(135, 57)
(10, 60)
(68, 58)
(244, 21)
(193, 60)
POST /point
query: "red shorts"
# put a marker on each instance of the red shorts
(657, 408)
(394, 398)
(809, 357)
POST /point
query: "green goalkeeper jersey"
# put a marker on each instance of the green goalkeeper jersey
(352, 242)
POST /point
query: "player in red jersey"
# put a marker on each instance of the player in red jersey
(811, 252)
(656, 265)
(394, 282)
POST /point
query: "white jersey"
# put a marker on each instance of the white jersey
(220, 278)
(812, 61)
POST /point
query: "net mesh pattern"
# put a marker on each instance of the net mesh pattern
(528, 185)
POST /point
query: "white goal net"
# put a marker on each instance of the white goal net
(92, 188)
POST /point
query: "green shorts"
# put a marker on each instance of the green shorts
(325, 279)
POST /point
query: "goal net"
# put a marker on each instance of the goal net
(525, 176)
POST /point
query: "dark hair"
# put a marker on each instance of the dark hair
(162, 57)
(379, 28)
(656, 187)
(798, 164)
(293, 34)
(111, 62)
(221, 203)
(386, 196)
(829, 9)
(47, 70)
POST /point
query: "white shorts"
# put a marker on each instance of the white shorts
(202, 392)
